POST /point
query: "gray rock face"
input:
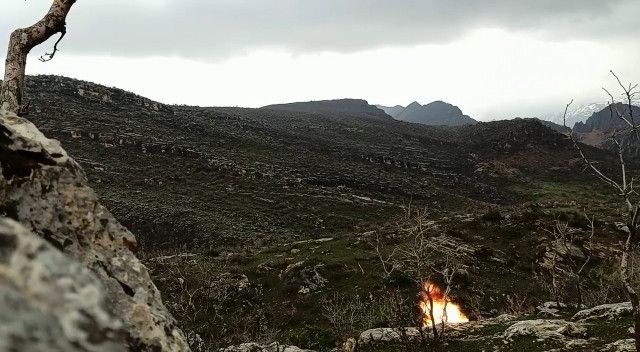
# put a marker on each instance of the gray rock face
(46, 191)
(49, 302)
(604, 312)
(543, 329)
(627, 345)
(378, 335)
(308, 278)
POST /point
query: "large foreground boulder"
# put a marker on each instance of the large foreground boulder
(44, 189)
(48, 302)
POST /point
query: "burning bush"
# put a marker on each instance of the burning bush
(436, 307)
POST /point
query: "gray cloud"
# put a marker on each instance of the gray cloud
(213, 29)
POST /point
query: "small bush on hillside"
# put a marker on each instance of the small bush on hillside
(492, 215)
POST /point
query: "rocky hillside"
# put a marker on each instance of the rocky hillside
(598, 129)
(340, 107)
(437, 113)
(208, 176)
(554, 126)
(254, 222)
(69, 280)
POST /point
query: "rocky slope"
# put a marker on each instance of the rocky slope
(580, 113)
(602, 121)
(104, 300)
(209, 176)
(576, 114)
(598, 129)
(392, 111)
(601, 328)
(252, 219)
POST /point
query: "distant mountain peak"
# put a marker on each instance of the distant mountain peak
(435, 113)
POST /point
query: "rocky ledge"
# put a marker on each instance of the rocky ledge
(584, 331)
(84, 288)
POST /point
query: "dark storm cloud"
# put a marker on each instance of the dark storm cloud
(208, 29)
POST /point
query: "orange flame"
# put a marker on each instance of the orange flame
(443, 309)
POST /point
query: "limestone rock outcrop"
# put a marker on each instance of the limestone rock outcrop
(610, 311)
(49, 302)
(544, 329)
(45, 190)
(255, 347)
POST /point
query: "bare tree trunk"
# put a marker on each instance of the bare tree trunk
(434, 324)
(21, 42)
(631, 292)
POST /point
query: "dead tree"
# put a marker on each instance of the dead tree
(427, 257)
(567, 271)
(21, 42)
(622, 186)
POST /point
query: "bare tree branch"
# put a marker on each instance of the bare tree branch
(21, 42)
(49, 56)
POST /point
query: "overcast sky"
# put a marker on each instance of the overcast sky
(493, 58)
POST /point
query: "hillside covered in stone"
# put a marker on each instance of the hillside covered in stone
(69, 279)
(256, 224)
(205, 176)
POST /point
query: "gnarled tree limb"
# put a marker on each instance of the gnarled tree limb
(21, 42)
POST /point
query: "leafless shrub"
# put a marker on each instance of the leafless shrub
(224, 309)
(621, 184)
(518, 305)
(425, 257)
(569, 262)
(350, 314)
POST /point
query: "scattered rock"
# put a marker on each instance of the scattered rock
(350, 345)
(389, 335)
(290, 268)
(317, 241)
(578, 344)
(622, 227)
(627, 345)
(308, 279)
(555, 252)
(544, 329)
(605, 311)
(551, 309)
(254, 347)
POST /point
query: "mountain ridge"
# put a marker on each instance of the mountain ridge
(436, 113)
(348, 107)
